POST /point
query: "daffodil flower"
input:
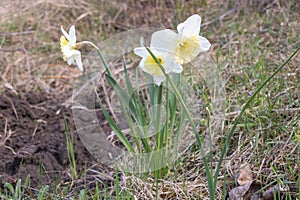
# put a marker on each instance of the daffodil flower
(149, 65)
(69, 48)
(187, 44)
(164, 55)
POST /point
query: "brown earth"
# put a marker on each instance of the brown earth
(33, 139)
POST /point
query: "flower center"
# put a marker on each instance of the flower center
(63, 42)
(187, 49)
(152, 67)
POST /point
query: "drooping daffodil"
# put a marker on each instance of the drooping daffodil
(69, 48)
(187, 43)
(164, 55)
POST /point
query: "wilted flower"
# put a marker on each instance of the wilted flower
(69, 48)
(164, 55)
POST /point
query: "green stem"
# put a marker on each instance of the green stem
(209, 178)
(157, 116)
(208, 173)
(172, 107)
(100, 54)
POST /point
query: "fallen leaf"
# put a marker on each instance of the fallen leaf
(238, 192)
(245, 175)
(246, 192)
(273, 191)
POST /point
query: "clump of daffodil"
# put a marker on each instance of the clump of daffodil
(69, 48)
(164, 55)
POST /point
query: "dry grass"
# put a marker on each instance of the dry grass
(250, 39)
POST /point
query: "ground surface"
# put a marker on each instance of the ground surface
(34, 139)
(250, 40)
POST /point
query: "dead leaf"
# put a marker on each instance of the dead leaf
(245, 175)
(246, 192)
(238, 192)
(273, 191)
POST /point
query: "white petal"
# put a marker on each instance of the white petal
(142, 42)
(68, 52)
(158, 80)
(169, 62)
(70, 60)
(180, 27)
(148, 70)
(177, 68)
(65, 34)
(141, 51)
(168, 69)
(173, 67)
(141, 65)
(191, 26)
(72, 35)
(204, 44)
(164, 40)
(79, 62)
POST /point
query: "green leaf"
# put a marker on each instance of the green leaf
(122, 95)
(10, 187)
(176, 91)
(104, 62)
(114, 126)
(151, 89)
(126, 104)
(42, 192)
(26, 182)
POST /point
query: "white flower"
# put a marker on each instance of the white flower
(164, 55)
(187, 44)
(69, 48)
(149, 65)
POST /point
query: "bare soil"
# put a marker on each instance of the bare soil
(33, 140)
